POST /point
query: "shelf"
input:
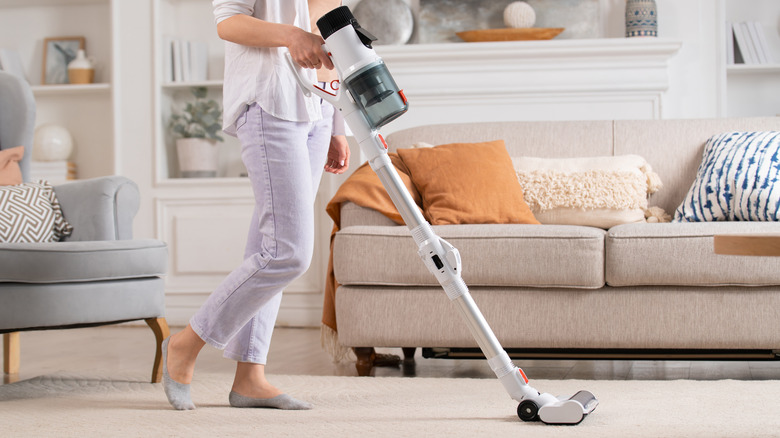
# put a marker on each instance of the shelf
(33, 3)
(215, 83)
(69, 89)
(198, 182)
(752, 68)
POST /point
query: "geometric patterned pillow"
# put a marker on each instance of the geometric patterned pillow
(738, 180)
(30, 212)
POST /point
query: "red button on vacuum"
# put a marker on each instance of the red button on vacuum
(403, 96)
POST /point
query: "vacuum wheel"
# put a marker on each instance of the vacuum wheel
(527, 410)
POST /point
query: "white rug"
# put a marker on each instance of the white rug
(109, 406)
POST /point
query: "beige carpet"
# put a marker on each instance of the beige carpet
(108, 406)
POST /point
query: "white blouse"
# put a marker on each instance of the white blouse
(260, 74)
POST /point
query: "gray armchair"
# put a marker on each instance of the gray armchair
(99, 275)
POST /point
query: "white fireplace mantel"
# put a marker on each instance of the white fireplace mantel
(610, 78)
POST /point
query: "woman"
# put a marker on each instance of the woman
(287, 140)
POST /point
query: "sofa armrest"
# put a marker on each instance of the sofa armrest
(99, 208)
(353, 214)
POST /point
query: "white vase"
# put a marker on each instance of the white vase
(198, 157)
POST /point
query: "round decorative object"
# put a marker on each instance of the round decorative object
(641, 18)
(519, 14)
(51, 143)
(391, 21)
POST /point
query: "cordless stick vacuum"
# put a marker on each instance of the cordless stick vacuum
(371, 101)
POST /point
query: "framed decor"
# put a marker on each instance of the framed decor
(58, 52)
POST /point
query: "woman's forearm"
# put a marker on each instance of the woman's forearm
(305, 47)
(250, 31)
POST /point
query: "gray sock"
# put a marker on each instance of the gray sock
(178, 393)
(282, 401)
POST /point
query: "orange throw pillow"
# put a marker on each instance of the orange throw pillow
(468, 183)
(10, 173)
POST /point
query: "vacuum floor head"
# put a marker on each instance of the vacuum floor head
(571, 410)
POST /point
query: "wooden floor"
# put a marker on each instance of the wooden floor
(130, 349)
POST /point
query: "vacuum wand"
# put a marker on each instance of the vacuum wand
(368, 98)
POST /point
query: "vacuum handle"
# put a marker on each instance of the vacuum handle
(308, 88)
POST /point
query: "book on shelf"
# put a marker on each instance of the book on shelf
(184, 61)
(729, 43)
(55, 172)
(746, 43)
(759, 39)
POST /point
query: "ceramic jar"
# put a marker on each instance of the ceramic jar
(641, 18)
(198, 157)
(81, 70)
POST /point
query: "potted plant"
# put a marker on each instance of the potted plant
(197, 127)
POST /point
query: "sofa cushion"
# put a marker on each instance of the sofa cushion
(738, 179)
(467, 183)
(48, 306)
(682, 254)
(492, 255)
(625, 318)
(57, 262)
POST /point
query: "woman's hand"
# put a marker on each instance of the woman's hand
(306, 50)
(338, 155)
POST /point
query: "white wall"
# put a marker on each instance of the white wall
(133, 99)
(693, 92)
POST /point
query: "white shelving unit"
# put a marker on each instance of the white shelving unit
(169, 96)
(751, 89)
(85, 110)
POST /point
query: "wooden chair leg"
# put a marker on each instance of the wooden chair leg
(160, 328)
(11, 353)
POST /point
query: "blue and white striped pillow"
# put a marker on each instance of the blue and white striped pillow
(738, 180)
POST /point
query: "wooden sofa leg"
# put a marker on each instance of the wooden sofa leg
(11, 353)
(160, 328)
(365, 360)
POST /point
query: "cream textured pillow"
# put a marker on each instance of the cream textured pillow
(594, 191)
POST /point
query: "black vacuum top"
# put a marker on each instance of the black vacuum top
(339, 18)
(335, 20)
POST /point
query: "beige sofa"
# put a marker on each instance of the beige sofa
(634, 290)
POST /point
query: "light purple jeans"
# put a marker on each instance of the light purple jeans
(285, 162)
